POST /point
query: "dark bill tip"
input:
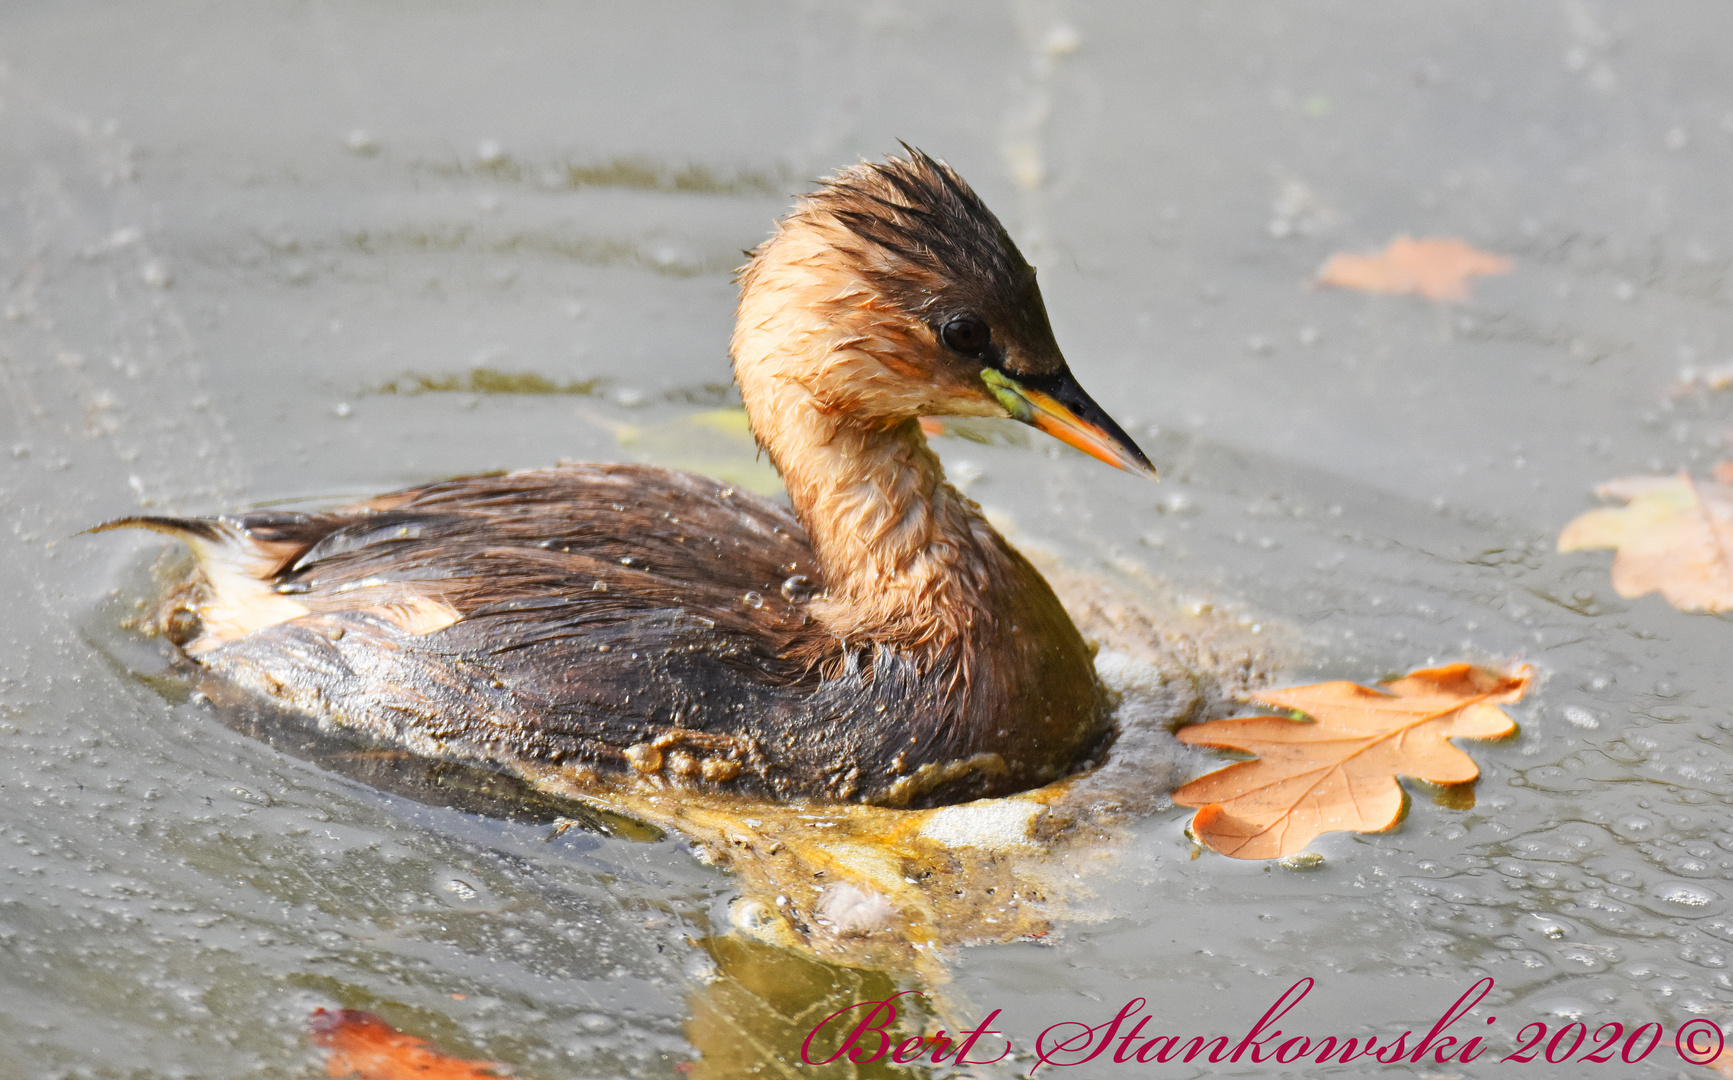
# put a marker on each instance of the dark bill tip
(1057, 405)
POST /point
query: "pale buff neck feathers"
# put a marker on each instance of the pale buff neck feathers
(820, 360)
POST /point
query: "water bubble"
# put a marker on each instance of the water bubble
(1633, 825)
(753, 599)
(1684, 899)
(1062, 40)
(594, 1023)
(1586, 959)
(1569, 1008)
(674, 259)
(751, 916)
(1549, 928)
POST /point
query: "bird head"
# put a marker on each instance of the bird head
(892, 292)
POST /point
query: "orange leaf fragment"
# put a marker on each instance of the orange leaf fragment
(1674, 534)
(1338, 770)
(364, 1047)
(1435, 267)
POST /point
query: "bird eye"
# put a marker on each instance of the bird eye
(967, 335)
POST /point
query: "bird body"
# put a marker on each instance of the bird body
(881, 642)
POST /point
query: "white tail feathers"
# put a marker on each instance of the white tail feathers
(239, 595)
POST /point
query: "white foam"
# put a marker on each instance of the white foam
(993, 824)
(1146, 760)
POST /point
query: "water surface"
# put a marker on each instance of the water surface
(298, 252)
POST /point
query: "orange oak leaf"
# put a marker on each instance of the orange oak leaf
(364, 1047)
(1674, 534)
(1338, 770)
(1437, 268)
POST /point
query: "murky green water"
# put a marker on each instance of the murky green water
(227, 233)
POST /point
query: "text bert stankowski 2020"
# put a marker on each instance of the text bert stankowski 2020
(861, 1033)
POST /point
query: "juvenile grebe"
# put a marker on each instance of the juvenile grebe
(883, 643)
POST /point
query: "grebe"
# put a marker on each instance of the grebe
(882, 643)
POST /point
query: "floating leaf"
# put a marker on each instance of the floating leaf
(1434, 267)
(1338, 770)
(364, 1047)
(1674, 534)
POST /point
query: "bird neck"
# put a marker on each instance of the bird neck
(907, 560)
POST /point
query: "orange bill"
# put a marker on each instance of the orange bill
(1057, 405)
